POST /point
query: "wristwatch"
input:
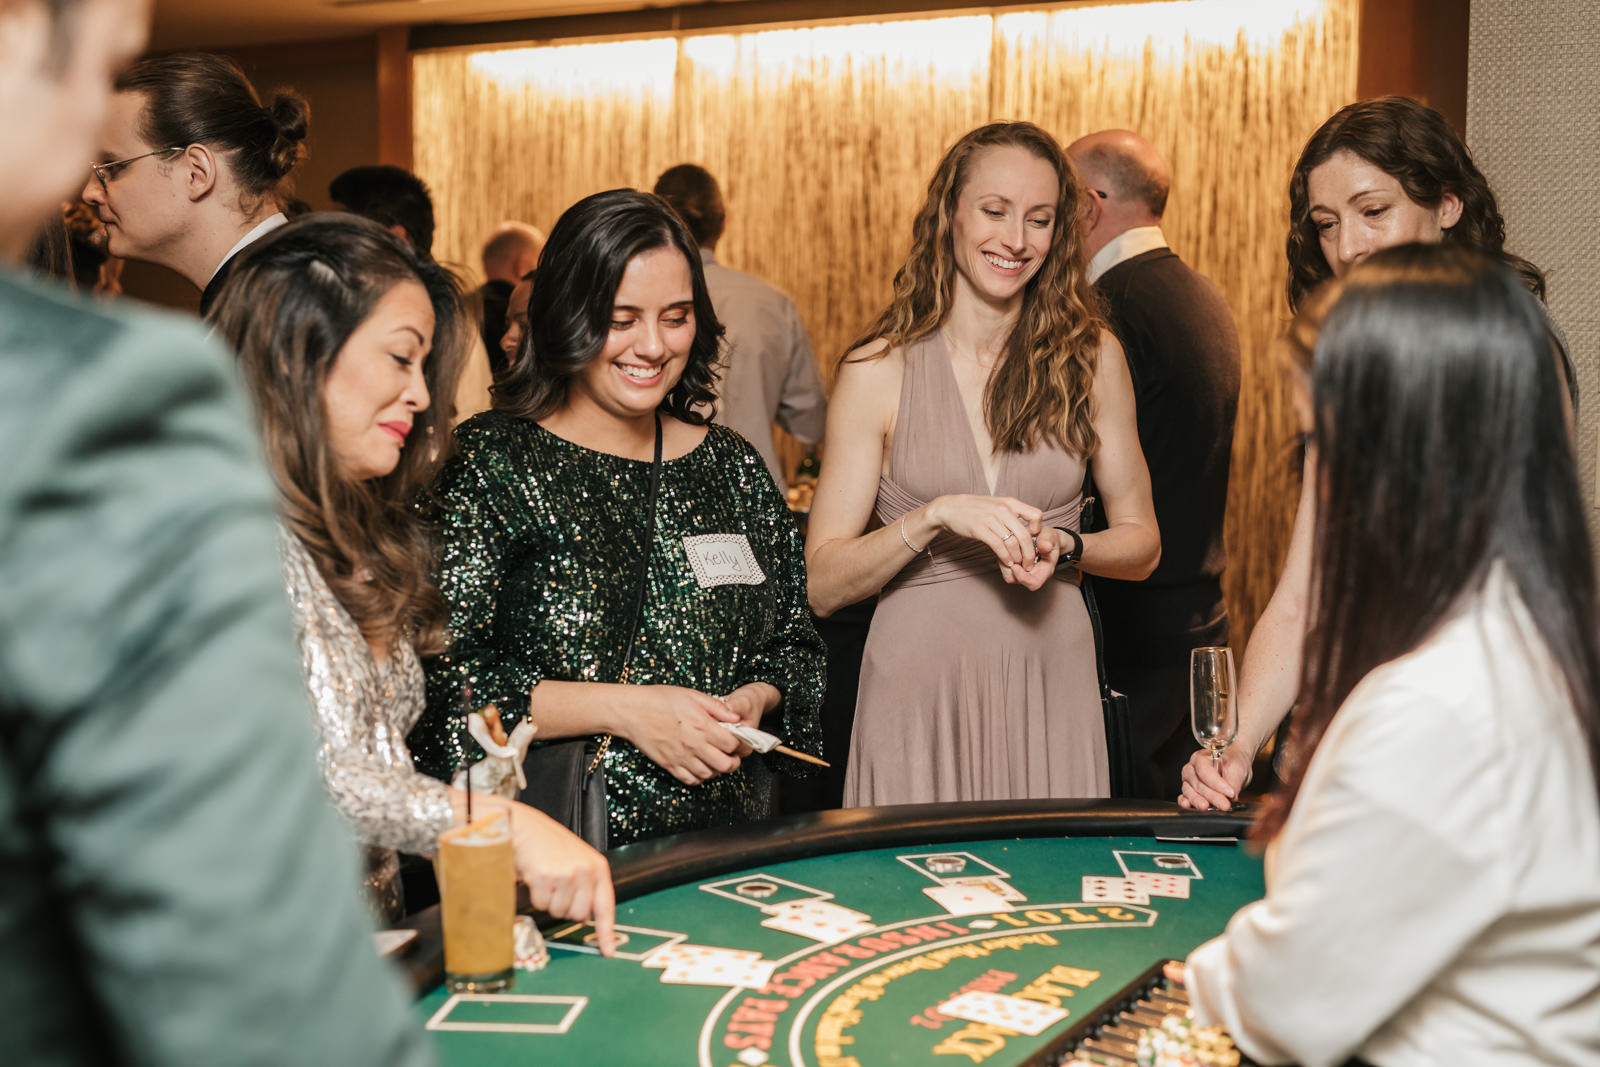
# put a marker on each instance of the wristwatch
(1071, 557)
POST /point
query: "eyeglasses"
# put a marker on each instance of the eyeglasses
(107, 172)
(1101, 193)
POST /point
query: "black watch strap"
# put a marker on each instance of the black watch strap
(1071, 557)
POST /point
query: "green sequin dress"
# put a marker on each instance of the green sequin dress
(539, 556)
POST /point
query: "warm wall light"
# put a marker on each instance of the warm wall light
(577, 70)
(1165, 27)
(947, 48)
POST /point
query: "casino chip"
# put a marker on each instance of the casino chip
(946, 864)
(757, 890)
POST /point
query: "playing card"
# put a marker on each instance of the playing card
(682, 955)
(967, 899)
(1161, 885)
(1113, 890)
(1013, 1013)
(993, 885)
(750, 974)
(818, 920)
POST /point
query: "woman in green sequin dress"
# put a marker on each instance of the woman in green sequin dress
(542, 515)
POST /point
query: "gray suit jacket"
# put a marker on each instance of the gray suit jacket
(174, 886)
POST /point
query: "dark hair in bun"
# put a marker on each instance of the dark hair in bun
(199, 98)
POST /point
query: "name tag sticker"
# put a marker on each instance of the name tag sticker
(722, 559)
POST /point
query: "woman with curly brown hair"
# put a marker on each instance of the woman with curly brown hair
(959, 434)
(351, 345)
(1375, 175)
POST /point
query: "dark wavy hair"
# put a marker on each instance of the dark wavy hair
(199, 98)
(1042, 386)
(290, 304)
(1442, 451)
(574, 289)
(1412, 143)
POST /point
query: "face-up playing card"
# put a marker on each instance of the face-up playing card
(1161, 885)
(682, 955)
(749, 974)
(994, 885)
(967, 899)
(1113, 890)
(818, 920)
(1013, 1013)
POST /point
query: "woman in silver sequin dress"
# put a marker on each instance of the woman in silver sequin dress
(345, 337)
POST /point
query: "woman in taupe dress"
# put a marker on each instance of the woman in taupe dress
(958, 436)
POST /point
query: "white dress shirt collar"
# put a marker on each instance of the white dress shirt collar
(265, 226)
(1124, 246)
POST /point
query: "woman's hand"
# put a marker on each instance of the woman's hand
(1033, 577)
(751, 701)
(1206, 787)
(565, 877)
(680, 730)
(1005, 524)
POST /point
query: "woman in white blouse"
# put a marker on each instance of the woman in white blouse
(1433, 872)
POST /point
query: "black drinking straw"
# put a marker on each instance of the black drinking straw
(466, 710)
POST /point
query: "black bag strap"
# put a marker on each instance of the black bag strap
(643, 584)
(1088, 516)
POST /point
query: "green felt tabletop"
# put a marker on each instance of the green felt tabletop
(870, 998)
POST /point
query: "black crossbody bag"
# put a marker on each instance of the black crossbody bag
(566, 779)
(1114, 706)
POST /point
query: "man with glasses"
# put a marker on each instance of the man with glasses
(1183, 355)
(174, 886)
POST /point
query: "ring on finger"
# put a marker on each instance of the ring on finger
(1008, 537)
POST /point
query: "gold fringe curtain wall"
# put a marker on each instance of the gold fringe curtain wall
(824, 138)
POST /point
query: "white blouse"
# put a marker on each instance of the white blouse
(1434, 897)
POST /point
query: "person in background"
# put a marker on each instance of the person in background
(191, 165)
(348, 339)
(516, 319)
(960, 430)
(177, 886)
(509, 255)
(548, 519)
(1183, 355)
(1431, 863)
(1376, 174)
(769, 373)
(399, 201)
(391, 196)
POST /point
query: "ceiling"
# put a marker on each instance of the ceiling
(209, 24)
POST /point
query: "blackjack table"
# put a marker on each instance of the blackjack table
(931, 934)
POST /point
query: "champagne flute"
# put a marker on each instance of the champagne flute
(1213, 706)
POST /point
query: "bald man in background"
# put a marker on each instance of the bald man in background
(511, 251)
(1183, 354)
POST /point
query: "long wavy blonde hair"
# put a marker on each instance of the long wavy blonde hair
(1042, 386)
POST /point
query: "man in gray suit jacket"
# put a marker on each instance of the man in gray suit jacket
(174, 886)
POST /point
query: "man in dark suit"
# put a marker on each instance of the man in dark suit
(174, 885)
(1183, 355)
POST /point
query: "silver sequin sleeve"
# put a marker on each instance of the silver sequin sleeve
(363, 714)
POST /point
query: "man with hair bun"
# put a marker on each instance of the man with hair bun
(176, 885)
(191, 166)
(1183, 353)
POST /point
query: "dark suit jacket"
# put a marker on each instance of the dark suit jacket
(1183, 355)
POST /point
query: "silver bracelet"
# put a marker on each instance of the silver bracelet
(915, 551)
